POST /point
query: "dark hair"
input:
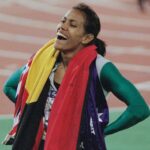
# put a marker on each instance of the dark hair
(93, 26)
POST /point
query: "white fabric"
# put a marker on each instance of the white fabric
(100, 63)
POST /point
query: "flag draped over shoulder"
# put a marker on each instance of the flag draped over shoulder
(31, 84)
(65, 117)
(66, 114)
(41, 67)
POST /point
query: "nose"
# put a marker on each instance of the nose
(64, 26)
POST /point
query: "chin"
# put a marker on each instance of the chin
(58, 47)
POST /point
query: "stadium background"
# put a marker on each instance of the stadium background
(25, 25)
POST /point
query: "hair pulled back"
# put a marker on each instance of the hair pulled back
(92, 25)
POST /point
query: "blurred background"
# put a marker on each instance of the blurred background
(25, 25)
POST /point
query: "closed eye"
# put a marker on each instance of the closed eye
(72, 25)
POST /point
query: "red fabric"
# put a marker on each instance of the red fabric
(65, 116)
(21, 100)
(39, 136)
(23, 94)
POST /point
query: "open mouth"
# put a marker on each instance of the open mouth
(60, 36)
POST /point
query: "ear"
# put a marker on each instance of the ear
(87, 38)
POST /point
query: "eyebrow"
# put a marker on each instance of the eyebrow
(71, 20)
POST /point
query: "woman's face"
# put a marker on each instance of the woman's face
(70, 31)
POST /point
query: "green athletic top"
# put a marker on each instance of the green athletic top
(112, 81)
(10, 86)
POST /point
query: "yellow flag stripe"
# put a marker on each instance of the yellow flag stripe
(39, 71)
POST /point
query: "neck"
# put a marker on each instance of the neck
(67, 56)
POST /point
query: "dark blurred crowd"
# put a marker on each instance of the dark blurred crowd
(143, 3)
